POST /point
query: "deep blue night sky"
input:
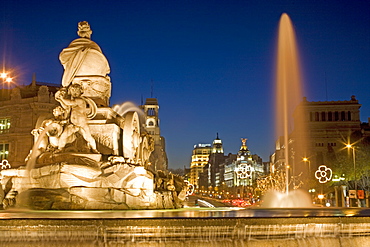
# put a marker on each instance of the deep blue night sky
(212, 62)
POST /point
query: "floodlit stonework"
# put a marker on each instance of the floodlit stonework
(21, 109)
(87, 156)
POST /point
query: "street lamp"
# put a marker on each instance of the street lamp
(287, 179)
(354, 163)
(309, 165)
(5, 77)
(320, 196)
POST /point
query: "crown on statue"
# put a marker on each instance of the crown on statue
(84, 29)
(83, 26)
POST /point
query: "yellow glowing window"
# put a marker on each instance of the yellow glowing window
(4, 151)
(4, 124)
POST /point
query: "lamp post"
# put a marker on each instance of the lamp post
(4, 76)
(309, 165)
(349, 146)
(287, 179)
(6, 79)
(305, 159)
(320, 196)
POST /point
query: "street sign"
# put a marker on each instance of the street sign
(352, 193)
(361, 194)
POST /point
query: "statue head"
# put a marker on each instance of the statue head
(84, 30)
(59, 113)
(75, 90)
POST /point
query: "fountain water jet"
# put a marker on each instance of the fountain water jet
(288, 95)
(294, 199)
(173, 227)
(127, 107)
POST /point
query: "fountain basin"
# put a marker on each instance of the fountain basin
(198, 226)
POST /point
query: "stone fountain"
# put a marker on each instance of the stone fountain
(88, 156)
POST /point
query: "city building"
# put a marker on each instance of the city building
(199, 160)
(241, 174)
(21, 109)
(232, 174)
(158, 157)
(321, 131)
(216, 164)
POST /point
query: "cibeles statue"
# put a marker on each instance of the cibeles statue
(88, 155)
(85, 63)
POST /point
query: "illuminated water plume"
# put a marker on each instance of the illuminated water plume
(295, 199)
(127, 107)
(288, 95)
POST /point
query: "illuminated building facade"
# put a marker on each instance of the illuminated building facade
(215, 164)
(243, 171)
(199, 160)
(328, 125)
(236, 173)
(21, 109)
(158, 157)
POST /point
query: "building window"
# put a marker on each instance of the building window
(336, 116)
(343, 116)
(151, 112)
(4, 151)
(150, 123)
(349, 116)
(323, 116)
(317, 116)
(330, 116)
(4, 125)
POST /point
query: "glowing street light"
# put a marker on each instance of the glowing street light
(6, 80)
(309, 165)
(350, 146)
(287, 178)
(321, 197)
(5, 77)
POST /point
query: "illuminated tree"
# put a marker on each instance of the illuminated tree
(277, 181)
(342, 161)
